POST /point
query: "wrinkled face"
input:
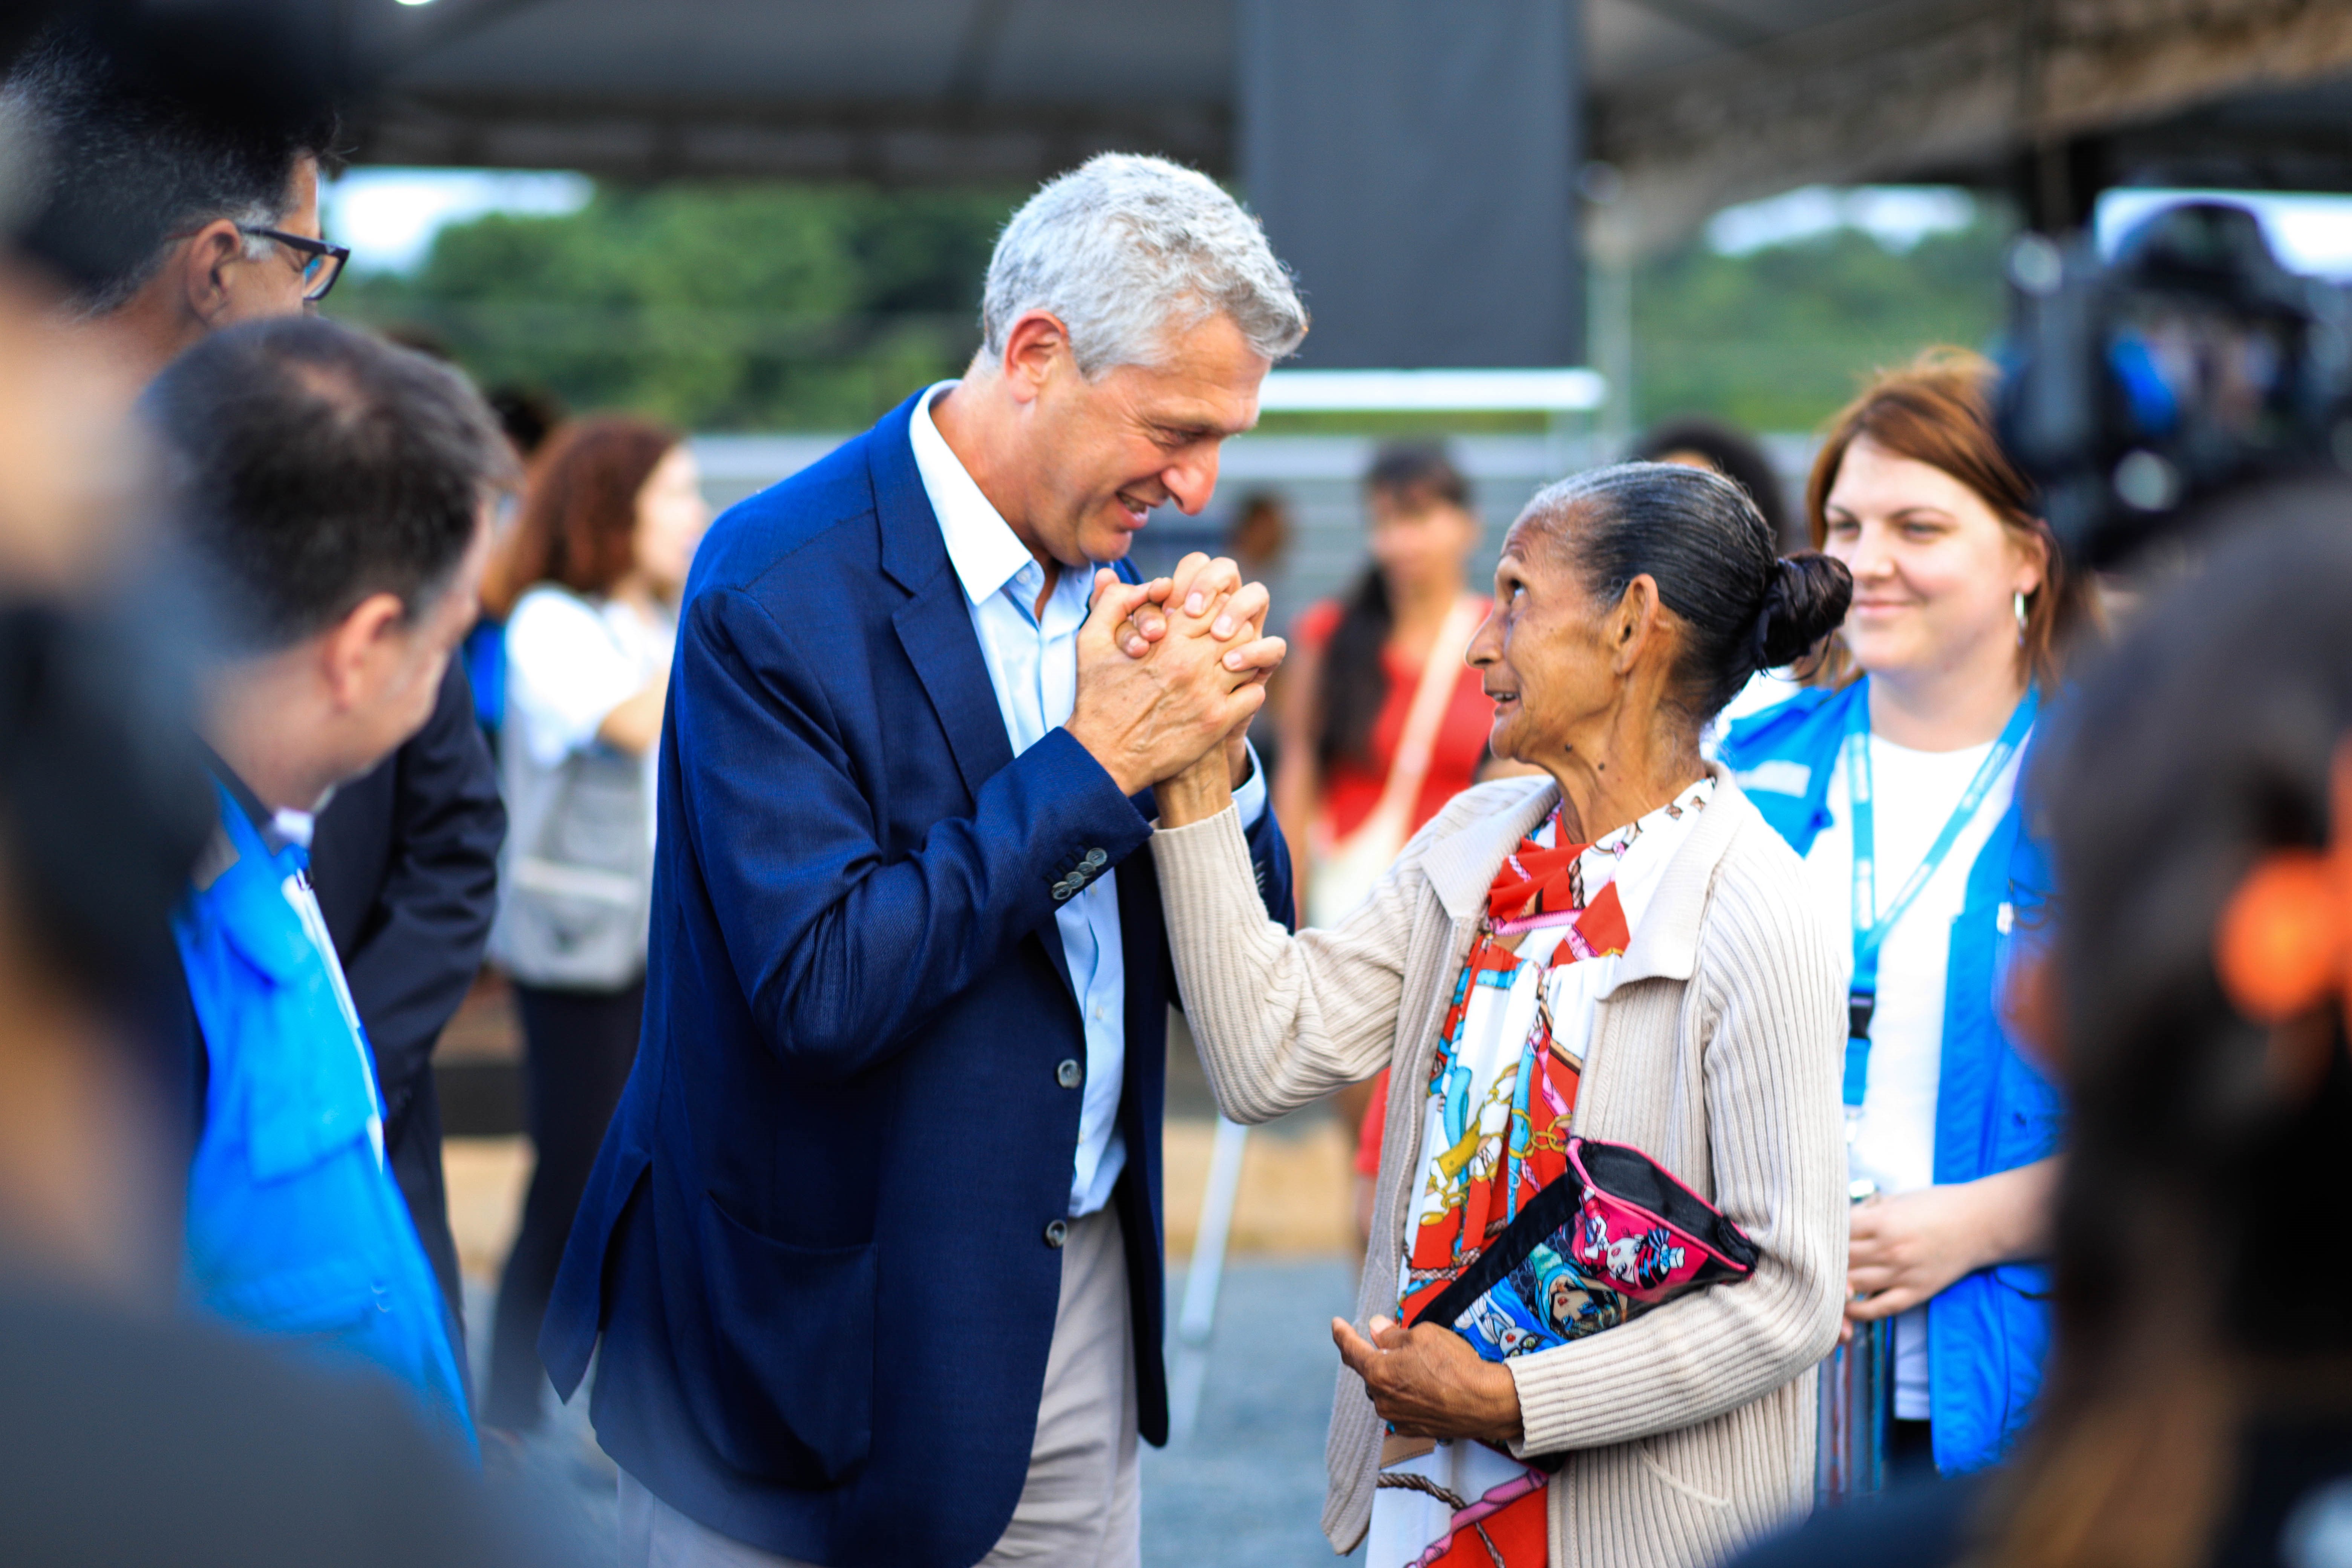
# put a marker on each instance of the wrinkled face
(671, 518)
(1935, 571)
(1419, 541)
(1102, 454)
(1545, 651)
(267, 281)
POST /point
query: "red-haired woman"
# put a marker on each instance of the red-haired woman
(1895, 777)
(589, 587)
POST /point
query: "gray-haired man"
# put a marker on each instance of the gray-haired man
(874, 1242)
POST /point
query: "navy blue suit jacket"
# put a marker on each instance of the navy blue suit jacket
(816, 1242)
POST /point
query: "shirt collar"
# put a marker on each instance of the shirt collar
(982, 546)
(277, 828)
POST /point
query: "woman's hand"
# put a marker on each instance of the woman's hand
(1427, 1382)
(1912, 1246)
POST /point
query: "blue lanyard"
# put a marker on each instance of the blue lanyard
(1870, 927)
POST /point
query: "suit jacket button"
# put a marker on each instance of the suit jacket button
(1097, 859)
(1068, 1074)
(1056, 1232)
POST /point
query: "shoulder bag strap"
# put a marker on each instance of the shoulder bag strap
(1392, 817)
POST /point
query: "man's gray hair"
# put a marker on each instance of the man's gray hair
(1125, 250)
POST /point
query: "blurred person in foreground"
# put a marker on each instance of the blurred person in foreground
(874, 1245)
(221, 178)
(130, 1434)
(1894, 776)
(331, 495)
(2190, 990)
(587, 585)
(1618, 950)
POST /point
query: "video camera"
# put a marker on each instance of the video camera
(2191, 364)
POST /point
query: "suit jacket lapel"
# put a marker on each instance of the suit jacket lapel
(934, 625)
(935, 629)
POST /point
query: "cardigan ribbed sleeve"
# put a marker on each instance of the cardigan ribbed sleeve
(1281, 1020)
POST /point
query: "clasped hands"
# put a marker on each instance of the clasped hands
(1170, 674)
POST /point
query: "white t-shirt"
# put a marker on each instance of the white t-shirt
(570, 662)
(1915, 793)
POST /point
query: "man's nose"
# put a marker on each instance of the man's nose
(1191, 482)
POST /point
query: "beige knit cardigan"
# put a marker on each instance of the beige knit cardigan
(1716, 1051)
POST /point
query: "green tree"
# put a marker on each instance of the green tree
(766, 306)
(741, 307)
(1778, 338)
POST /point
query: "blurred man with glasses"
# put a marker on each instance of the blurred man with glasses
(234, 206)
(174, 211)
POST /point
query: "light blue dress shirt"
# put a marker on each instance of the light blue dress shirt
(1032, 664)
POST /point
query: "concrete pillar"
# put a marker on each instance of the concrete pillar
(1415, 162)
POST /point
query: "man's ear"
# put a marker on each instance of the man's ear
(201, 268)
(357, 648)
(1036, 344)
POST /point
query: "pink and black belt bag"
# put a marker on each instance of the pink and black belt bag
(1611, 1236)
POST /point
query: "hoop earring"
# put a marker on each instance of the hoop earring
(2020, 620)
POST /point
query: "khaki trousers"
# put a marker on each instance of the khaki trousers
(1080, 1507)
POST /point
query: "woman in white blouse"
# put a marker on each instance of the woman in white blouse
(1620, 950)
(1894, 776)
(589, 584)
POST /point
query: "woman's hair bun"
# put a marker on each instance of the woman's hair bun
(1804, 601)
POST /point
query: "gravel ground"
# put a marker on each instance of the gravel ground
(1244, 1490)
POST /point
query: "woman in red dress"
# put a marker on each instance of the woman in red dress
(1382, 721)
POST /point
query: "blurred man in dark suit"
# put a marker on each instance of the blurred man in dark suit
(127, 1432)
(406, 858)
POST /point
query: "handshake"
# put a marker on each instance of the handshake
(1170, 674)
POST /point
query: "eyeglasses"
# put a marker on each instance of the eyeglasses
(321, 263)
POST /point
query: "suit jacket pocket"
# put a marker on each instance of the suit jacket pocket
(793, 1341)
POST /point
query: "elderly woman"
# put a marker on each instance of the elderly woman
(1630, 919)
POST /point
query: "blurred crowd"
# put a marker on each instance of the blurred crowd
(325, 679)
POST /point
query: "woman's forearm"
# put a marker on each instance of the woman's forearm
(1912, 1246)
(2019, 1205)
(633, 725)
(1197, 794)
(1281, 1020)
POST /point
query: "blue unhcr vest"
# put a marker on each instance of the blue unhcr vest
(1987, 1333)
(295, 1228)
